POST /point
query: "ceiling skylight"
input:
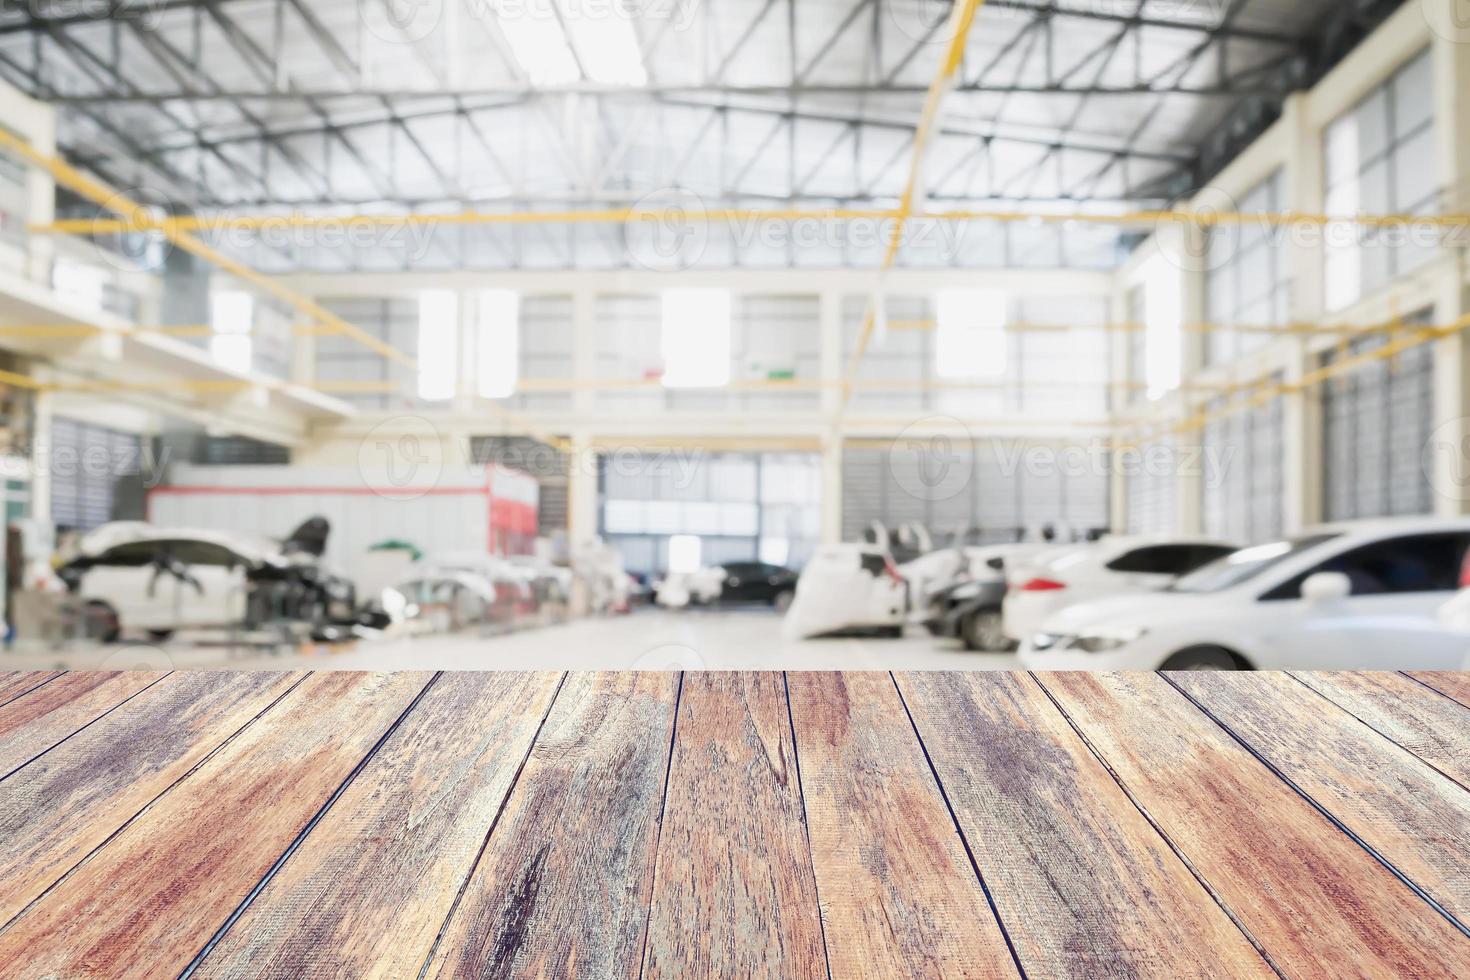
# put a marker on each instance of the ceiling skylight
(550, 41)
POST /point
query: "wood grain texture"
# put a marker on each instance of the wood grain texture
(39, 719)
(1392, 801)
(366, 893)
(146, 903)
(1433, 727)
(1087, 885)
(899, 895)
(13, 684)
(1452, 684)
(1317, 902)
(734, 894)
(55, 810)
(563, 886)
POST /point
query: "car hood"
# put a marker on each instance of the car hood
(1134, 609)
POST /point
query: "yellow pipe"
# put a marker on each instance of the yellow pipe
(298, 220)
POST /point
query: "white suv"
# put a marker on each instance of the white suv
(1114, 565)
(1355, 596)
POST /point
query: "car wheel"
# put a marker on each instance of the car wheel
(159, 636)
(783, 600)
(102, 622)
(982, 631)
(1205, 658)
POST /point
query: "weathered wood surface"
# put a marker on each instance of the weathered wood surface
(145, 904)
(733, 825)
(366, 893)
(1451, 684)
(1318, 903)
(1417, 819)
(1087, 886)
(1433, 727)
(56, 809)
(41, 718)
(13, 684)
(899, 895)
(564, 884)
(734, 893)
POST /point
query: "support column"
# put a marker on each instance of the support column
(832, 489)
(581, 509)
(1445, 457)
(1302, 409)
(1192, 245)
(584, 351)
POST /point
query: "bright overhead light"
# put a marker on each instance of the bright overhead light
(232, 318)
(603, 43)
(438, 352)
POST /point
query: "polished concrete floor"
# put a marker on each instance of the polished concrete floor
(645, 640)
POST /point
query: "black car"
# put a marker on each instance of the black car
(970, 612)
(758, 582)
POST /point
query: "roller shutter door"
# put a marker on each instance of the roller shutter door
(1242, 474)
(87, 461)
(1376, 419)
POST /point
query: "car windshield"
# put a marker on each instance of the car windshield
(1245, 564)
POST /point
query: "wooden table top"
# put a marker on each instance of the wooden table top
(776, 825)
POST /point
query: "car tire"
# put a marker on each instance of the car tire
(160, 636)
(1205, 658)
(783, 600)
(982, 631)
(102, 618)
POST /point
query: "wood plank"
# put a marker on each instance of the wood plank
(734, 893)
(563, 886)
(39, 719)
(1317, 903)
(899, 895)
(149, 900)
(1395, 803)
(366, 893)
(1086, 884)
(1433, 727)
(15, 683)
(1452, 684)
(58, 808)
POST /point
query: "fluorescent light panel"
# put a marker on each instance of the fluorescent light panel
(695, 338)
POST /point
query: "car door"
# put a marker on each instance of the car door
(1387, 623)
(210, 582)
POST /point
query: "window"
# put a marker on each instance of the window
(1380, 159)
(685, 552)
(498, 339)
(231, 316)
(1248, 284)
(1167, 559)
(1163, 316)
(695, 338)
(550, 43)
(1414, 564)
(1245, 564)
(775, 551)
(971, 339)
(438, 352)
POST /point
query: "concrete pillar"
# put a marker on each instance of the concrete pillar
(581, 510)
(467, 330)
(1448, 462)
(41, 456)
(584, 350)
(303, 351)
(832, 489)
(1192, 243)
(1302, 409)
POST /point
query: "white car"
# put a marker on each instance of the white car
(1114, 565)
(847, 589)
(1355, 596)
